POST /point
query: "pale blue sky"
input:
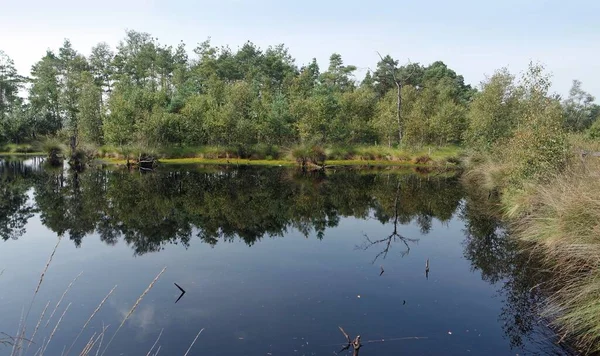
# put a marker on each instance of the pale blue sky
(472, 37)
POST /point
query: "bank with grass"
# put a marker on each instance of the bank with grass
(304, 156)
(555, 216)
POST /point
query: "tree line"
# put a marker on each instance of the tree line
(147, 93)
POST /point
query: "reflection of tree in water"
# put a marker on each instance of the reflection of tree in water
(517, 271)
(15, 211)
(394, 236)
(150, 210)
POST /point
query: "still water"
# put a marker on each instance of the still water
(272, 260)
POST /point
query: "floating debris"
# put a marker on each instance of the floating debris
(182, 292)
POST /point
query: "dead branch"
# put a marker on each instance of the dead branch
(355, 344)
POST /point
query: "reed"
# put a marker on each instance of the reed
(37, 326)
(155, 342)
(55, 328)
(138, 301)
(61, 299)
(193, 342)
(90, 318)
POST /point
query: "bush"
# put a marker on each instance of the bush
(535, 154)
(594, 131)
(313, 154)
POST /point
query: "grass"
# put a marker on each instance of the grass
(558, 218)
(266, 155)
(562, 218)
(95, 342)
(27, 149)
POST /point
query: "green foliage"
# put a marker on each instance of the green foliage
(594, 131)
(90, 114)
(150, 94)
(538, 147)
(580, 112)
(522, 124)
(493, 113)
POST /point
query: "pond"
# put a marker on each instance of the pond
(272, 260)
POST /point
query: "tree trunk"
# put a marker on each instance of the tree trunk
(399, 113)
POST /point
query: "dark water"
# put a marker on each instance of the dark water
(273, 261)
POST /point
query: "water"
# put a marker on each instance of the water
(272, 261)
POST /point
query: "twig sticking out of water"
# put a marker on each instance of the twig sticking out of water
(61, 299)
(193, 342)
(90, 319)
(133, 308)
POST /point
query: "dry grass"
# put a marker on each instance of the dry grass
(54, 330)
(137, 302)
(193, 342)
(61, 299)
(95, 341)
(90, 318)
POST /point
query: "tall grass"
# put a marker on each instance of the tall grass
(95, 342)
(563, 219)
(559, 218)
(137, 302)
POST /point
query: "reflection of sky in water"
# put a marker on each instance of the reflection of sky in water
(284, 295)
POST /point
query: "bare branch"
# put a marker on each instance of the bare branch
(345, 334)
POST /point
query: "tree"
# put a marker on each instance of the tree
(71, 67)
(492, 114)
(10, 84)
(390, 67)
(119, 125)
(580, 112)
(14, 123)
(101, 66)
(91, 114)
(44, 95)
(338, 76)
(539, 146)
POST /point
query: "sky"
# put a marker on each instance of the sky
(472, 37)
